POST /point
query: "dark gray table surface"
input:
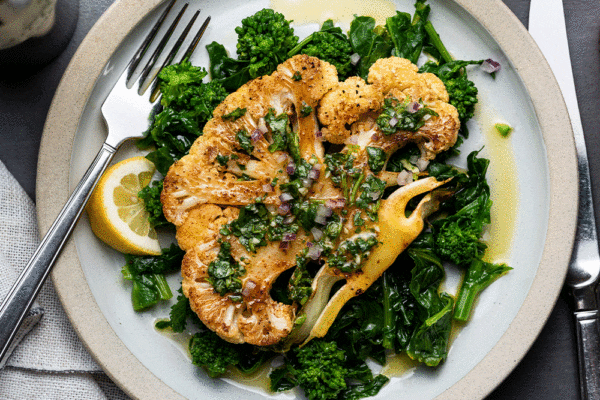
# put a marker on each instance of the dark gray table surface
(549, 369)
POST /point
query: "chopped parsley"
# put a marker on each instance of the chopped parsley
(243, 138)
(370, 197)
(395, 117)
(377, 158)
(305, 110)
(350, 255)
(221, 159)
(235, 114)
(299, 286)
(279, 130)
(224, 273)
(342, 171)
(250, 227)
(297, 76)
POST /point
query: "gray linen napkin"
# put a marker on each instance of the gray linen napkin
(50, 362)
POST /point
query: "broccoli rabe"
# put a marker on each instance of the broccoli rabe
(318, 368)
(480, 275)
(323, 371)
(151, 196)
(175, 80)
(147, 276)
(212, 353)
(329, 44)
(187, 105)
(462, 91)
(458, 237)
(264, 39)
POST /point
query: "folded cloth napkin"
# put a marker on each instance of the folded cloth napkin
(50, 362)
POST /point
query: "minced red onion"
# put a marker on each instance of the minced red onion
(324, 211)
(413, 107)
(321, 220)
(314, 252)
(336, 203)
(249, 287)
(422, 164)
(284, 245)
(289, 219)
(354, 58)
(288, 237)
(286, 197)
(314, 174)
(317, 233)
(490, 66)
(284, 208)
(393, 121)
(309, 244)
(267, 187)
(374, 195)
(291, 168)
(404, 178)
(256, 135)
(319, 134)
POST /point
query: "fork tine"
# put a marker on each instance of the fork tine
(179, 42)
(148, 68)
(187, 54)
(192, 46)
(139, 54)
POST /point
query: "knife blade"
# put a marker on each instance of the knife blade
(548, 28)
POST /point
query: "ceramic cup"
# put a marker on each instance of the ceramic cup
(24, 19)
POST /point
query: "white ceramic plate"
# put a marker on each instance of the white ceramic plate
(532, 175)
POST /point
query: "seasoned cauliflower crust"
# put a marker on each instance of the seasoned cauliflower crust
(252, 152)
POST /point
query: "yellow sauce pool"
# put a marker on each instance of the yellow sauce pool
(502, 176)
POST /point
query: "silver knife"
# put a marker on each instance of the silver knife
(547, 26)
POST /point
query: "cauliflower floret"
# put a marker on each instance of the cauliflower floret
(256, 319)
(346, 104)
(399, 73)
(348, 112)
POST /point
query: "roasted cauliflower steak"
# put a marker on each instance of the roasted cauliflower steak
(283, 177)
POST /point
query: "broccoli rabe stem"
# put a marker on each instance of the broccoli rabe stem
(479, 276)
(388, 314)
(435, 40)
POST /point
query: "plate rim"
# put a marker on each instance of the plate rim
(52, 190)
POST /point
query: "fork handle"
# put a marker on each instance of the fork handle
(587, 325)
(20, 298)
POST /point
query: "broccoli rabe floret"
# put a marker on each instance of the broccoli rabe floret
(325, 371)
(457, 238)
(264, 39)
(321, 369)
(329, 44)
(212, 353)
(463, 96)
(187, 106)
(462, 91)
(318, 368)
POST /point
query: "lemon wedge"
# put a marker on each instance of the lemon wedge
(117, 215)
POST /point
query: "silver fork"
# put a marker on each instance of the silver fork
(126, 114)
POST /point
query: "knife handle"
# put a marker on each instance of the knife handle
(587, 325)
